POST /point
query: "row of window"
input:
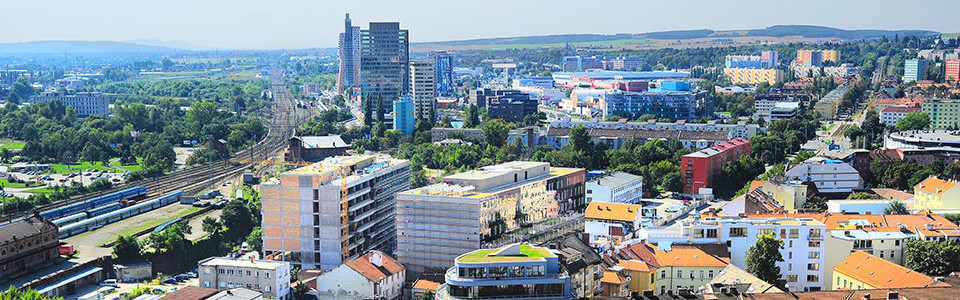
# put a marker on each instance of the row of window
(709, 273)
(238, 272)
(497, 272)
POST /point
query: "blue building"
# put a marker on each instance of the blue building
(913, 69)
(443, 63)
(516, 271)
(403, 115)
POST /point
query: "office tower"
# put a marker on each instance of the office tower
(349, 51)
(385, 62)
(913, 69)
(443, 64)
(423, 86)
(333, 211)
(404, 117)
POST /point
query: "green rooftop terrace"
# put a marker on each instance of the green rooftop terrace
(510, 253)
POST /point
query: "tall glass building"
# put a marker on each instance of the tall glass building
(349, 51)
(443, 63)
(385, 62)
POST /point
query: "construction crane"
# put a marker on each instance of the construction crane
(345, 223)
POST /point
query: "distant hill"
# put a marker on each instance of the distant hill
(805, 31)
(50, 47)
(181, 45)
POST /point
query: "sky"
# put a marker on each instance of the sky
(274, 24)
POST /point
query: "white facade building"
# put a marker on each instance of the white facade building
(619, 187)
(830, 176)
(423, 87)
(270, 277)
(803, 244)
(892, 114)
(86, 103)
(372, 276)
(772, 110)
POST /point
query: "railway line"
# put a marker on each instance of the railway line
(281, 119)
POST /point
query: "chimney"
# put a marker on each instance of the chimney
(376, 259)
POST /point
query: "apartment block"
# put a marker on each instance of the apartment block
(892, 114)
(423, 87)
(333, 211)
(272, 278)
(862, 271)
(952, 70)
(753, 76)
(671, 101)
(699, 168)
(816, 57)
(937, 194)
(914, 69)
(443, 65)
(437, 223)
(611, 223)
(619, 187)
(86, 103)
(944, 113)
(829, 175)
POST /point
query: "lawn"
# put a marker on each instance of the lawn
(8, 184)
(12, 145)
(45, 191)
(131, 168)
(134, 228)
(64, 169)
(527, 252)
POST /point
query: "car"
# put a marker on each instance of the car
(159, 291)
(219, 204)
(64, 179)
(109, 282)
(170, 281)
(223, 184)
(191, 274)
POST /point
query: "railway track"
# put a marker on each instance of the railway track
(282, 119)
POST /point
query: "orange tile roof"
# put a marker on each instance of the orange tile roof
(881, 274)
(935, 185)
(613, 277)
(755, 184)
(424, 284)
(686, 256)
(634, 265)
(837, 221)
(388, 266)
(612, 211)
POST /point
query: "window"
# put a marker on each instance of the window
(223, 284)
(813, 278)
(813, 267)
(896, 243)
(266, 275)
(794, 233)
(893, 254)
(206, 284)
(516, 271)
(206, 271)
(814, 255)
(790, 255)
(268, 289)
(701, 274)
(498, 271)
(691, 274)
(679, 274)
(791, 278)
(711, 233)
(813, 244)
(697, 233)
(789, 267)
(663, 274)
(738, 232)
(815, 233)
(764, 231)
(710, 273)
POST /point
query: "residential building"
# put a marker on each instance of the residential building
(733, 278)
(439, 134)
(315, 148)
(623, 63)
(333, 211)
(944, 114)
(582, 263)
(26, 245)
(816, 57)
(511, 109)
(619, 187)
(914, 69)
(426, 283)
(766, 59)
(613, 284)
(575, 79)
(515, 271)
(753, 76)
(683, 267)
(829, 175)
(922, 139)
(952, 70)
(483, 96)
(423, 86)
(643, 275)
(937, 194)
(769, 59)
(670, 101)
(443, 65)
(86, 103)
(699, 168)
(803, 251)
(609, 222)
(272, 278)
(349, 57)
(438, 222)
(828, 105)
(861, 271)
(374, 275)
(772, 110)
(404, 115)
(891, 115)
(581, 63)
(384, 61)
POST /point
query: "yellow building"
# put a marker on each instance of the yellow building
(936, 194)
(684, 267)
(804, 55)
(753, 76)
(642, 277)
(861, 271)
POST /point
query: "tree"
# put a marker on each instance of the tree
(211, 226)
(380, 112)
(368, 112)
(495, 132)
(913, 121)
(418, 176)
(471, 117)
(672, 182)
(14, 293)
(896, 207)
(426, 295)
(301, 292)
(817, 203)
(236, 217)
(579, 138)
(255, 239)
(126, 248)
(932, 258)
(763, 256)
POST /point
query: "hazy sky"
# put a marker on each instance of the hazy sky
(273, 24)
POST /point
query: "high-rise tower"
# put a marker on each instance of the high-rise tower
(349, 50)
(385, 62)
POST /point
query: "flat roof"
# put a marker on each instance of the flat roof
(934, 136)
(621, 74)
(508, 253)
(243, 263)
(495, 170)
(616, 179)
(70, 279)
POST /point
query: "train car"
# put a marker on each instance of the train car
(93, 203)
(117, 215)
(104, 209)
(70, 219)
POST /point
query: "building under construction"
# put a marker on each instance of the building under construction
(326, 213)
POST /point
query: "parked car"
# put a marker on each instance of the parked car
(219, 204)
(109, 282)
(170, 281)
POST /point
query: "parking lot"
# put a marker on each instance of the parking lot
(47, 180)
(111, 293)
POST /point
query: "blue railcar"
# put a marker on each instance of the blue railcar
(114, 216)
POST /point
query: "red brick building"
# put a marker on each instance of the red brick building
(699, 167)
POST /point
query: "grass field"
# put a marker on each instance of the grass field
(134, 228)
(45, 191)
(64, 169)
(12, 145)
(131, 168)
(6, 183)
(610, 43)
